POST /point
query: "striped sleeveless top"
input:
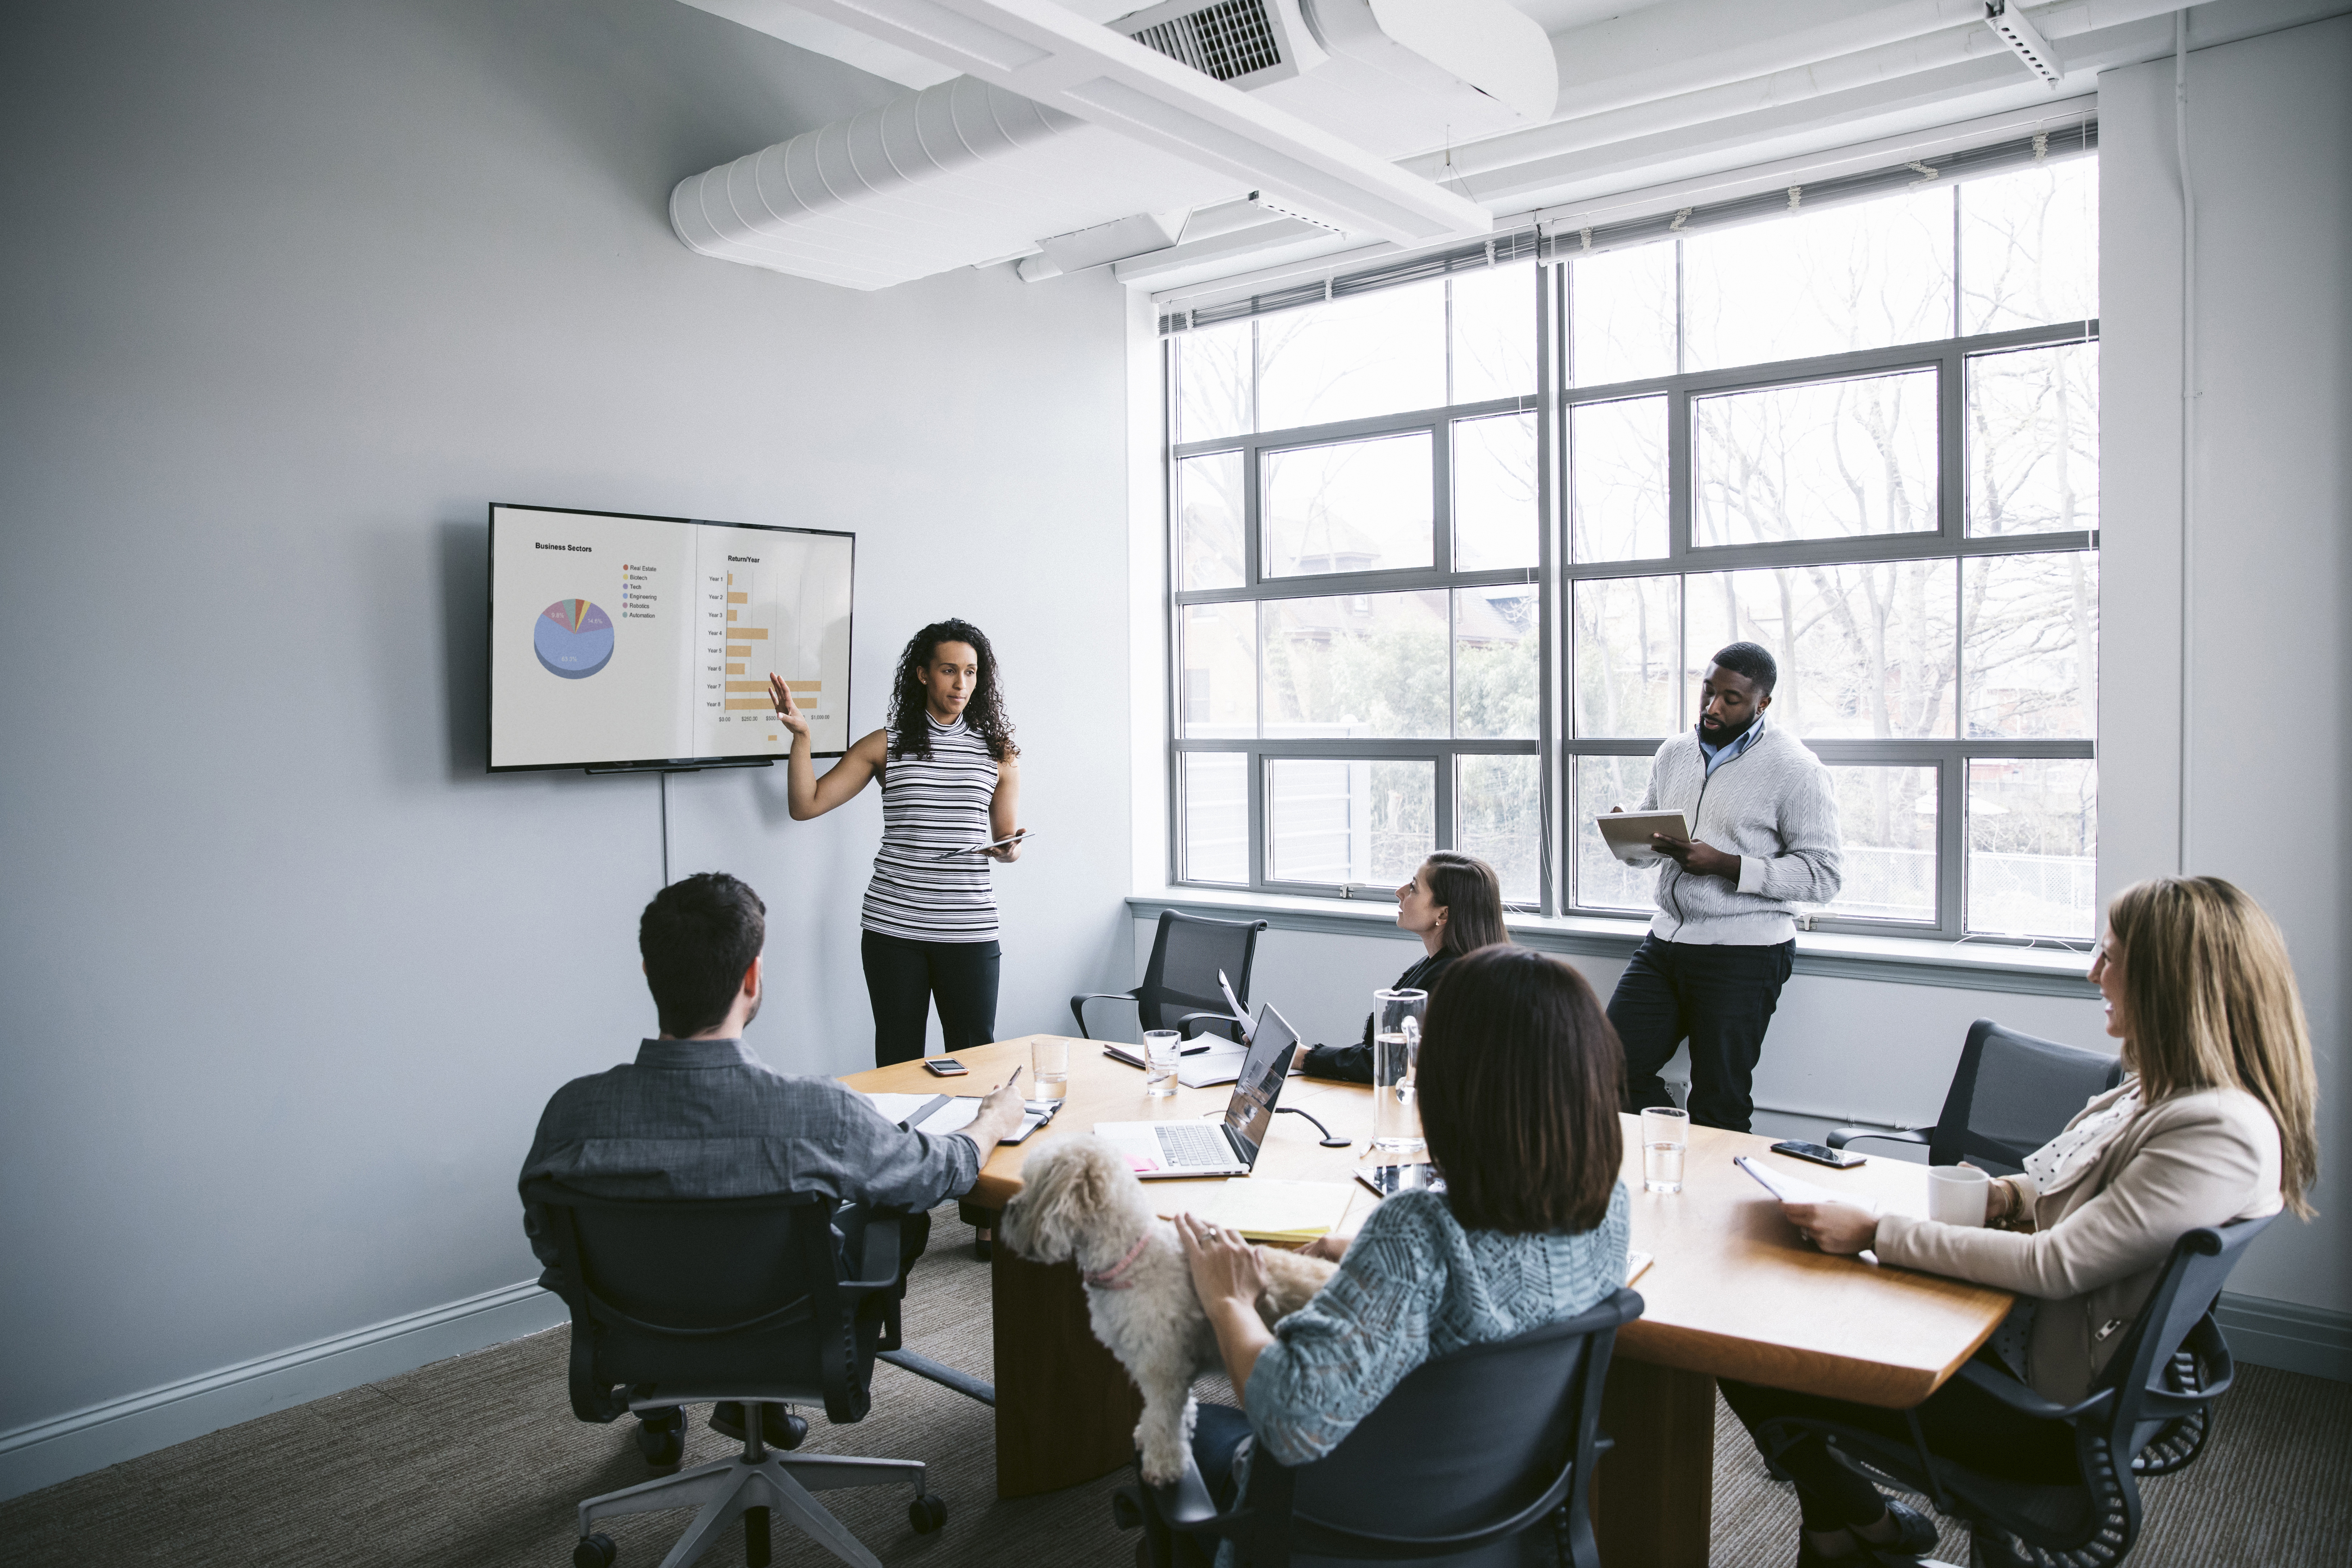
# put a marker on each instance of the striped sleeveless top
(930, 805)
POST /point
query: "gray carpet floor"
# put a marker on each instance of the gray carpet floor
(476, 1463)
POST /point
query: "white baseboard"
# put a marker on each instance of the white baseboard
(91, 1439)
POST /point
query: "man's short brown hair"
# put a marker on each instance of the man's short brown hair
(1519, 1078)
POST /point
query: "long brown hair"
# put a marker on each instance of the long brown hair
(1472, 896)
(2210, 1002)
(1519, 1076)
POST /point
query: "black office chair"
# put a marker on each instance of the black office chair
(2148, 1415)
(682, 1301)
(1179, 984)
(2012, 1094)
(1482, 1459)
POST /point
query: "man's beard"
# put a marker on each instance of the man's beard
(1723, 734)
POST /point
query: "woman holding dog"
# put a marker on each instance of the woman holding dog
(1519, 1080)
(1455, 904)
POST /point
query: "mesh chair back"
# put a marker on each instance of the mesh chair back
(739, 1293)
(2014, 1093)
(1187, 952)
(2140, 1372)
(1468, 1440)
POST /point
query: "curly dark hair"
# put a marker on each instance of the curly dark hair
(985, 711)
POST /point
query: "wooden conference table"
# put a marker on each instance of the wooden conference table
(1733, 1291)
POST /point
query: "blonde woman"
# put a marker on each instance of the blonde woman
(2214, 1122)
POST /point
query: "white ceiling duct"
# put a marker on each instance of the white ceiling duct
(972, 171)
(946, 177)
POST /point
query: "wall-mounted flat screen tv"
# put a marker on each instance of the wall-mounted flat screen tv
(619, 641)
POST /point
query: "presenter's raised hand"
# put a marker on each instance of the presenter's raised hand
(788, 712)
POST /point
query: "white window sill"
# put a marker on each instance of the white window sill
(1898, 959)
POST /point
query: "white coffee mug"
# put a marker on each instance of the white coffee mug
(1956, 1194)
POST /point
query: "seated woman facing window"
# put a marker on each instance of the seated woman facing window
(2213, 1123)
(1519, 1074)
(1455, 904)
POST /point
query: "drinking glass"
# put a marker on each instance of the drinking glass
(1396, 1065)
(1665, 1138)
(1162, 1049)
(1049, 1064)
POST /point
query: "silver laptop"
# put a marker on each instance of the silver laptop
(1161, 1150)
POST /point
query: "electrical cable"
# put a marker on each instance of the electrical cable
(2187, 421)
(664, 776)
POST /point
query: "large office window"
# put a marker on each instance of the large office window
(1449, 556)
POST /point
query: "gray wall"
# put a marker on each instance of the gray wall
(2270, 127)
(288, 292)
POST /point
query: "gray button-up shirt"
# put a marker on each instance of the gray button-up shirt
(706, 1119)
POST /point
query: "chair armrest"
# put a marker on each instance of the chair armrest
(2006, 1388)
(1845, 1135)
(880, 1264)
(1077, 1009)
(1186, 1025)
(1184, 1503)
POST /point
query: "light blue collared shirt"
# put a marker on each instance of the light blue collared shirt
(1718, 755)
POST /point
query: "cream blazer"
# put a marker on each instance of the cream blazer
(2101, 1238)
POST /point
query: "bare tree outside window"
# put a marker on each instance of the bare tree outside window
(1863, 435)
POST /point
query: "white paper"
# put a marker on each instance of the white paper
(1791, 1189)
(957, 1111)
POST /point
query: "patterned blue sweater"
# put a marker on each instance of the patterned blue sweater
(1415, 1285)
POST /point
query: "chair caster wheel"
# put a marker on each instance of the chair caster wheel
(594, 1552)
(927, 1513)
(662, 1446)
(796, 1432)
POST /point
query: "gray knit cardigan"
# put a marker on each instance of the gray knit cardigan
(1772, 807)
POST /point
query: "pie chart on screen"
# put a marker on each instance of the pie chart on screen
(574, 639)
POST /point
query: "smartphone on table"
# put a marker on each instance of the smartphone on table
(944, 1067)
(1819, 1154)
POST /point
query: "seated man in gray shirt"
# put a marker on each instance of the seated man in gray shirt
(698, 1115)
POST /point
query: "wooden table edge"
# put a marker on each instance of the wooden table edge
(1822, 1373)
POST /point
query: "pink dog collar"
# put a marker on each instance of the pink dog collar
(1110, 1277)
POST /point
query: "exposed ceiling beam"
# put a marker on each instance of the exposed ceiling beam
(1046, 54)
(782, 19)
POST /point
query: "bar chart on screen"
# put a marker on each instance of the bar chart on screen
(772, 605)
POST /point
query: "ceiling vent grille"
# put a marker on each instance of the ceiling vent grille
(1229, 41)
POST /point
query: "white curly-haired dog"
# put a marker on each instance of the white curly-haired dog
(1080, 1202)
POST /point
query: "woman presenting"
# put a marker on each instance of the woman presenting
(949, 784)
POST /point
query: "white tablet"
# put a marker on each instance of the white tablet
(1627, 833)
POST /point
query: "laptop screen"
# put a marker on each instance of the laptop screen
(1263, 1070)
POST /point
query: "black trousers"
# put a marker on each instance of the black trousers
(901, 979)
(1720, 999)
(1961, 1422)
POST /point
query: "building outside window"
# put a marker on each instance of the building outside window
(1450, 551)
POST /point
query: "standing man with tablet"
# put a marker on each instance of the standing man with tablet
(1764, 839)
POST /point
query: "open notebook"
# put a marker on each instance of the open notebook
(1263, 1208)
